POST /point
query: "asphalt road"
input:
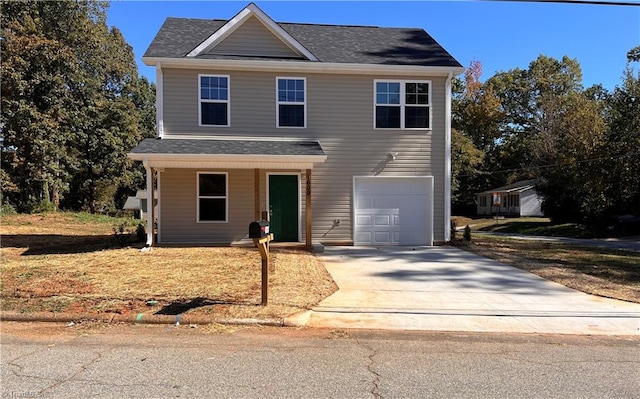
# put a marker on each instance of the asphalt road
(98, 361)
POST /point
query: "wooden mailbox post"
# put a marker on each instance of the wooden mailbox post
(259, 231)
(263, 247)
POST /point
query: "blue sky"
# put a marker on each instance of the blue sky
(501, 35)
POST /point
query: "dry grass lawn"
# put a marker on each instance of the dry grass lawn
(608, 273)
(75, 263)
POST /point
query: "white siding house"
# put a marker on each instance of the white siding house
(517, 199)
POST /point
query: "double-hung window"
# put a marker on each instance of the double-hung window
(212, 197)
(291, 102)
(214, 100)
(402, 104)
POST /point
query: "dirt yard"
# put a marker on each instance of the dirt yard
(77, 263)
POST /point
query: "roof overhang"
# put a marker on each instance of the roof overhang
(224, 154)
(301, 66)
(228, 161)
(519, 189)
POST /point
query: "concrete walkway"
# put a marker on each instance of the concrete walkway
(447, 289)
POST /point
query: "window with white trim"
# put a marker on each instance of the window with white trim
(214, 100)
(291, 102)
(212, 197)
(402, 104)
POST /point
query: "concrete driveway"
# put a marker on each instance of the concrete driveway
(447, 289)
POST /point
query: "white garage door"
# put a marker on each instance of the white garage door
(393, 210)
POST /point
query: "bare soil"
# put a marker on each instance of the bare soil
(59, 262)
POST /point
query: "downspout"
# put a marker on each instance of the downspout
(447, 158)
(150, 204)
(159, 102)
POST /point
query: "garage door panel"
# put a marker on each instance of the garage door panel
(383, 220)
(382, 237)
(364, 220)
(393, 211)
(364, 236)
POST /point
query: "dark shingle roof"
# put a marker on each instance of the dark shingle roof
(329, 43)
(226, 147)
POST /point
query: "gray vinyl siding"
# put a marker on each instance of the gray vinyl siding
(178, 208)
(340, 115)
(253, 38)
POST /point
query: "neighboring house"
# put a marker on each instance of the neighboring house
(341, 133)
(138, 204)
(517, 199)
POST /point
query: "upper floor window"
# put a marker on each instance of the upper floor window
(214, 100)
(402, 104)
(291, 102)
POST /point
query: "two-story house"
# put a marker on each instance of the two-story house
(341, 133)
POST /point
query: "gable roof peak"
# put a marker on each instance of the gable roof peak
(251, 10)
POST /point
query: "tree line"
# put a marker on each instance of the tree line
(73, 105)
(581, 144)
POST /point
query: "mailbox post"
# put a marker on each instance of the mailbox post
(259, 232)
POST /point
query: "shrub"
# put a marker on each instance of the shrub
(141, 232)
(7, 209)
(467, 234)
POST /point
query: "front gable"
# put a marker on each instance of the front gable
(253, 39)
(252, 33)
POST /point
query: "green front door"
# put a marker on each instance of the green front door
(283, 207)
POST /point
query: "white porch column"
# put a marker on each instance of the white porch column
(150, 204)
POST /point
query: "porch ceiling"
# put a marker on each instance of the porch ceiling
(229, 153)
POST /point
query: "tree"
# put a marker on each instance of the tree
(477, 119)
(477, 111)
(465, 161)
(565, 159)
(34, 105)
(622, 145)
(72, 104)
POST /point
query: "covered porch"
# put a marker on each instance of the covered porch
(209, 190)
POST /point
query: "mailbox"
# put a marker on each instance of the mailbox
(258, 229)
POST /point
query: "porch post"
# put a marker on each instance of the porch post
(308, 215)
(150, 205)
(256, 194)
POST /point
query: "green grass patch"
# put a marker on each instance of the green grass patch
(537, 227)
(88, 218)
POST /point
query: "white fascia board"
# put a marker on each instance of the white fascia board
(227, 158)
(240, 18)
(233, 24)
(503, 191)
(237, 138)
(302, 66)
(184, 164)
(159, 101)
